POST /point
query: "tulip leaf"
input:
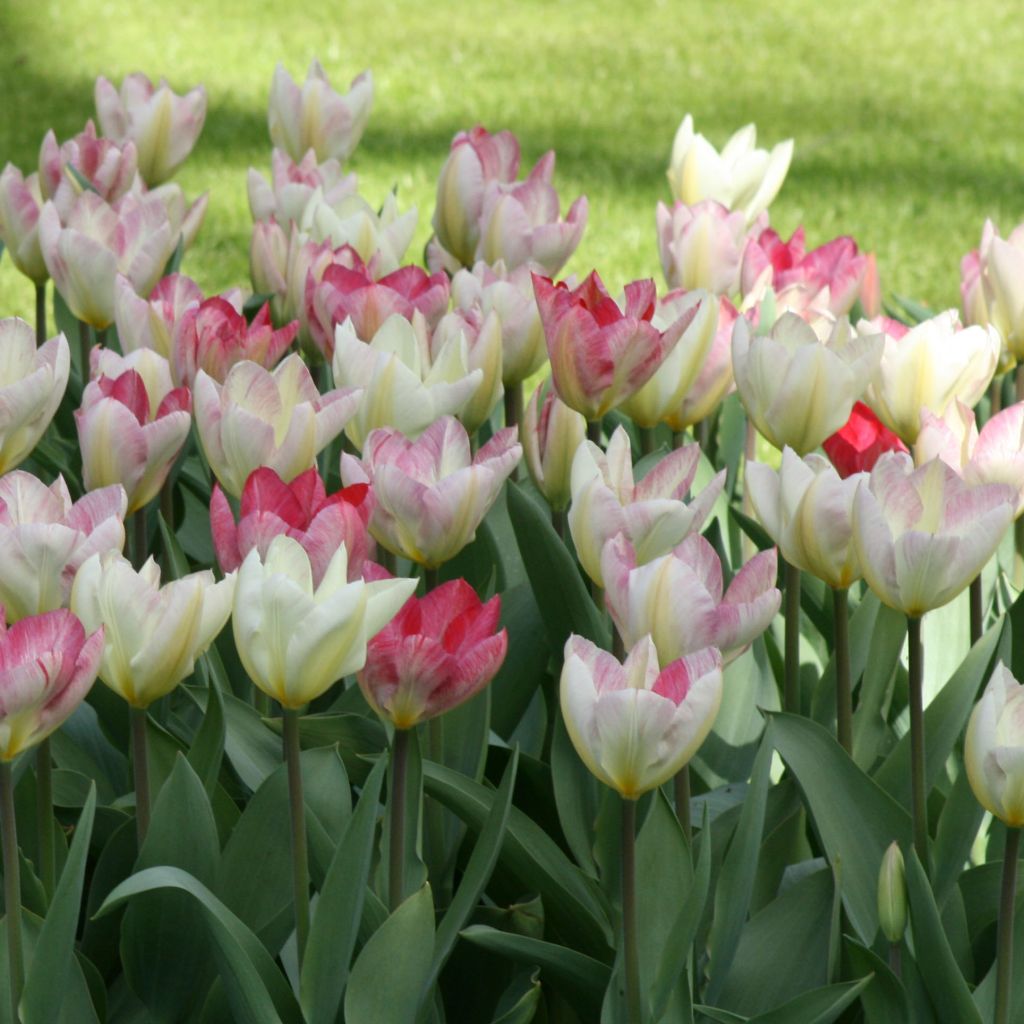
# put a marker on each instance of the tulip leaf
(944, 722)
(820, 1006)
(252, 749)
(257, 991)
(359, 739)
(870, 728)
(572, 901)
(959, 822)
(946, 985)
(399, 951)
(518, 1003)
(885, 999)
(335, 924)
(739, 870)
(854, 817)
(177, 561)
(577, 797)
(562, 595)
(49, 972)
(579, 978)
(207, 749)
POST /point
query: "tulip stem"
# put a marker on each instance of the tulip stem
(140, 771)
(300, 859)
(919, 804)
(1004, 942)
(631, 954)
(140, 538)
(792, 666)
(44, 818)
(1018, 383)
(895, 959)
(682, 794)
(513, 405)
(12, 886)
(647, 440)
(84, 348)
(396, 840)
(977, 615)
(167, 504)
(40, 313)
(844, 690)
(558, 522)
(995, 396)
(594, 431)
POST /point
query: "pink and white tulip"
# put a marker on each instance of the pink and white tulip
(285, 197)
(20, 203)
(482, 335)
(550, 433)
(635, 724)
(163, 125)
(701, 246)
(430, 495)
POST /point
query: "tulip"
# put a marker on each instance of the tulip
(635, 724)
(519, 222)
(214, 336)
(601, 354)
(125, 439)
(483, 352)
(741, 177)
(927, 367)
(150, 322)
(991, 287)
(258, 418)
(292, 185)
(551, 432)
(185, 217)
(405, 389)
(302, 510)
(435, 654)
(20, 202)
(476, 158)
(856, 447)
(44, 538)
(32, 384)
(892, 894)
(431, 494)
(315, 116)
(701, 246)
(163, 125)
(652, 514)
(796, 387)
(678, 598)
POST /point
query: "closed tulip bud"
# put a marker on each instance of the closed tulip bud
(857, 446)
(741, 177)
(153, 633)
(268, 257)
(806, 508)
(551, 432)
(47, 665)
(652, 514)
(20, 202)
(439, 651)
(923, 534)
(285, 197)
(262, 418)
(163, 125)
(892, 894)
(317, 117)
(798, 388)
(44, 538)
(483, 353)
(635, 724)
(32, 384)
(295, 639)
(431, 494)
(927, 367)
(405, 388)
(994, 748)
(701, 246)
(149, 323)
(991, 290)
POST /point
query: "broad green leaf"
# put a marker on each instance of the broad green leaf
(869, 724)
(400, 952)
(577, 796)
(177, 561)
(855, 819)
(885, 999)
(821, 1006)
(257, 991)
(100, 937)
(207, 749)
(519, 1002)
(359, 739)
(479, 563)
(582, 980)
(946, 986)
(49, 972)
(959, 822)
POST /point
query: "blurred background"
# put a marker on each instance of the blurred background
(907, 117)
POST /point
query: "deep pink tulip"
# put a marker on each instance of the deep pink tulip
(857, 447)
(437, 652)
(302, 510)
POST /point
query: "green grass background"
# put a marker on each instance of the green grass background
(908, 116)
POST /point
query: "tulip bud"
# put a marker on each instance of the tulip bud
(292, 185)
(892, 894)
(994, 748)
(550, 434)
(483, 352)
(20, 202)
(701, 246)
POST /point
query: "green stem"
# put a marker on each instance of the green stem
(594, 431)
(558, 521)
(101, 336)
(792, 668)
(647, 440)
(140, 772)
(631, 953)
(1004, 942)
(513, 405)
(84, 348)
(977, 614)
(844, 690)
(431, 579)
(300, 859)
(40, 313)
(396, 840)
(704, 434)
(995, 396)
(895, 959)
(1018, 383)
(140, 538)
(919, 794)
(44, 818)
(682, 794)
(167, 504)
(12, 886)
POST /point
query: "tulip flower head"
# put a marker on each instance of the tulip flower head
(21, 199)
(47, 665)
(992, 287)
(635, 724)
(994, 748)
(701, 246)
(432, 493)
(857, 446)
(482, 336)
(551, 433)
(296, 639)
(439, 651)
(153, 633)
(149, 323)
(284, 198)
(922, 535)
(109, 167)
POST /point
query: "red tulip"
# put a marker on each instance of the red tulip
(859, 444)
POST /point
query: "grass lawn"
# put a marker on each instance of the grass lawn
(907, 116)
